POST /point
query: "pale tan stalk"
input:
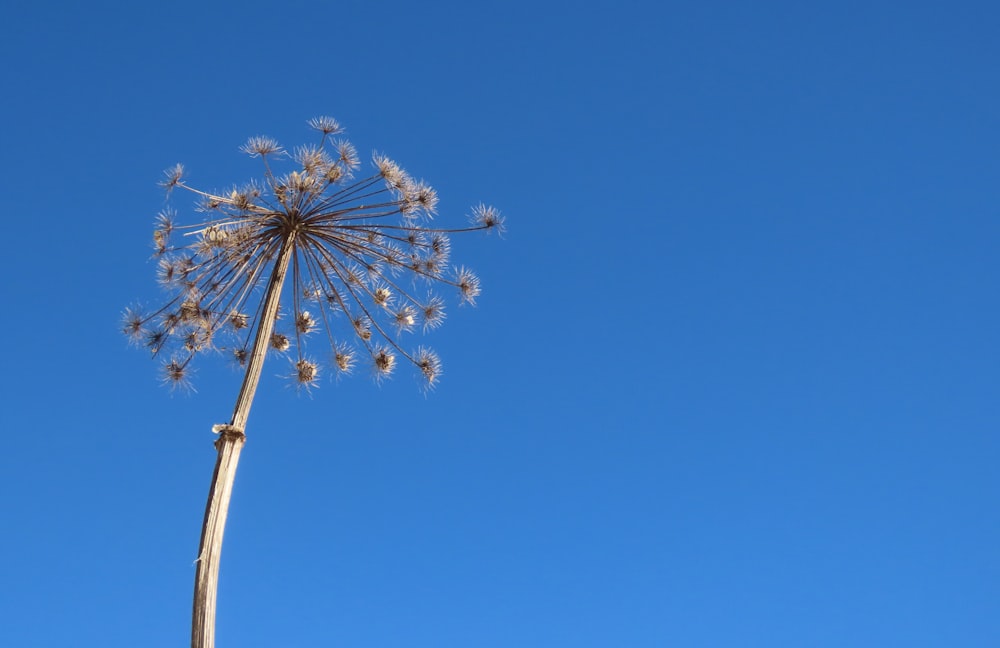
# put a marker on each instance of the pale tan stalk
(332, 230)
(229, 444)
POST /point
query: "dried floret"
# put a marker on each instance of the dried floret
(261, 146)
(433, 312)
(468, 285)
(326, 125)
(385, 362)
(487, 218)
(429, 364)
(304, 323)
(405, 318)
(306, 373)
(280, 342)
(176, 375)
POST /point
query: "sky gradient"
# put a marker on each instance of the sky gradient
(732, 380)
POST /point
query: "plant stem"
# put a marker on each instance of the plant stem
(229, 444)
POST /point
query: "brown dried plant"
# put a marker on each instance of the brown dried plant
(364, 261)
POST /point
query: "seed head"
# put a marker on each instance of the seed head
(176, 375)
(343, 359)
(261, 146)
(382, 296)
(240, 357)
(429, 364)
(439, 247)
(165, 222)
(358, 246)
(347, 156)
(159, 242)
(405, 318)
(304, 323)
(468, 284)
(173, 177)
(238, 320)
(433, 312)
(134, 325)
(385, 362)
(325, 125)
(155, 340)
(306, 373)
(362, 328)
(487, 218)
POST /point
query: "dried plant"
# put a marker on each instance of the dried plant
(364, 263)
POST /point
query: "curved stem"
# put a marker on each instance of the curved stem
(229, 445)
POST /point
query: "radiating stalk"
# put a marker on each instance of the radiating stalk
(229, 445)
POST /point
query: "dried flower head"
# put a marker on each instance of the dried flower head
(404, 318)
(261, 146)
(306, 373)
(173, 176)
(134, 325)
(355, 249)
(385, 362)
(326, 125)
(343, 359)
(432, 311)
(487, 218)
(429, 364)
(468, 284)
(382, 296)
(304, 323)
(280, 342)
(176, 375)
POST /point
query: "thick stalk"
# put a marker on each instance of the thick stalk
(229, 444)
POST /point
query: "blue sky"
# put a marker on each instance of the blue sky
(732, 380)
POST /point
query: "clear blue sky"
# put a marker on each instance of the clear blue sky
(732, 380)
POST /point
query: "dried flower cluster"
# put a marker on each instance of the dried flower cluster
(364, 264)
